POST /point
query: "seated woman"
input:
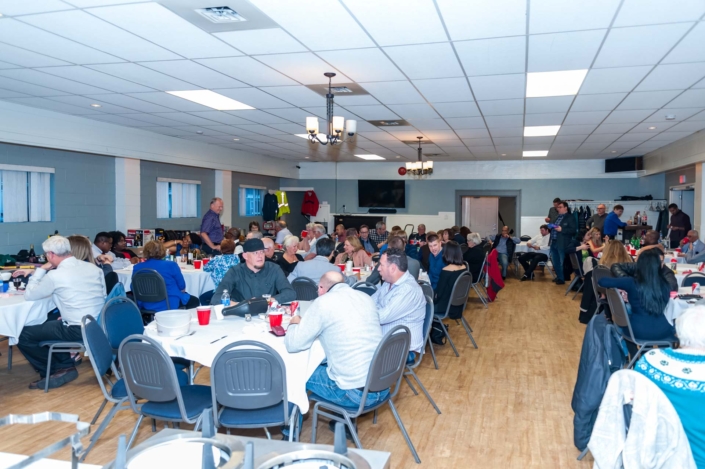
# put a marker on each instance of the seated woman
(289, 259)
(188, 243)
(354, 252)
(648, 293)
(305, 244)
(81, 250)
(475, 255)
(234, 234)
(219, 265)
(120, 248)
(613, 252)
(173, 278)
(453, 258)
(254, 226)
(680, 374)
(594, 242)
(445, 235)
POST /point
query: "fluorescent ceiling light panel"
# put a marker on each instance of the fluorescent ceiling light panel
(534, 154)
(370, 157)
(211, 99)
(543, 84)
(541, 130)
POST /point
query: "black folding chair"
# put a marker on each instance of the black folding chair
(599, 272)
(458, 297)
(111, 279)
(366, 287)
(305, 288)
(577, 267)
(148, 286)
(694, 277)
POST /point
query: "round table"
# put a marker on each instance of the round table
(16, 313)
(197, 281)
(204, 345)
(684, 269)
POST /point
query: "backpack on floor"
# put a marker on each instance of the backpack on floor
(437, 335)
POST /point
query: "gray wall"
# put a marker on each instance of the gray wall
(672, 178)
(249, 180)
(149, 171)
(84, 196)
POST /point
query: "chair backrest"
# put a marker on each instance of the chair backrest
(388, 362)
(464, 248)
(482, 271)
(305, 288)
(248, 375)
(120, 317)
(427, 325)
(619, 310)
(694, 277)
(366, 287)
(427, 289)
(98, 347)
(460, 292)
(599, 272)
(148, 286)
(111, 279)
(467, 266)
(148, 371)
(574, 262)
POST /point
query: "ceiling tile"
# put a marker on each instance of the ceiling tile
(502, 107)
(634, 139)
(194, 73)
(394, 92)
(618, 117)
(54, 106)
(669, 136)
(582, 129)
(309, 26)
(647, 99)
(507, 131)
(363, 64)
(549, 16)
(637, 12)
(248, 70)
(95, 78)
(426, 60)
(597, 102)
(583, 118)
(498, 87)
(86, 29)
(359, 100)
(395, 22)
(507, 141)
(473, 133)
(640, 45)
(151, 119)
(170, 101)
(444, 90)
(690, 49)
(476, 20)
(690, 98)
(262, 41)
(28, 37)
(414, 111)
(613, 128)
(130, 102)
(459, 109)
(12, 94)
(645, 127)
(98, 3)
(26, 58)
(493, 56)
(673, 77)
(466, 122)
(372, 112)
(292, 114)
(84, 102)
(439, 136)
(565, 139)
(254, 97)
(693, 126)
(504, 121)
(42, 79)
(550, 104)
(145, 76)
(184, 118)
(165, 28)
(296, 95)
(305, 68)
(123, 120)
(613, 80)
(552, 118)
(545, 141)
(564, 51)
(29, 7)
(699, 116)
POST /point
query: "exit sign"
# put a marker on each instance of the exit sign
(681, 179)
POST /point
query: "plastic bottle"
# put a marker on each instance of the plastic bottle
(225, 298)
(643, 238)
(644, 219)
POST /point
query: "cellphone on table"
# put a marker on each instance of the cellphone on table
(278, 331)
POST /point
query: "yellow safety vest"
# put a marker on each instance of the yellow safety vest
(283, 204)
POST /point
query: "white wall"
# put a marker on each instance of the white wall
(687, 151)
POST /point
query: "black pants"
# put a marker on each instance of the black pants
(208, 250)
(193, 302)
(530, 260)
(37, 356)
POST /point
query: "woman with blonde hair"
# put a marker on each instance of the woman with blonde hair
(290, 258)
(354, 252)
(614, 253)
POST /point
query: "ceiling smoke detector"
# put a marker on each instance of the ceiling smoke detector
(670, 117)
(221, 15)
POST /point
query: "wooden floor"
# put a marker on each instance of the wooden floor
(505, 405)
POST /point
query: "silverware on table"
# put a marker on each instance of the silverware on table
(185, 335)
(216, 340)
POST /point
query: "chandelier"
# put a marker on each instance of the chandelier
(335, 124)
(419, 167)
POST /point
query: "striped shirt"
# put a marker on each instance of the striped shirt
(402, 304)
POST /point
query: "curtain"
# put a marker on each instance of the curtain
(39, 197)
(14, 196)
(177, 200)
(190, 201)
(162, 200)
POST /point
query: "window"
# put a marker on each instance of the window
(251, 201)
(177, 198)
(25, 195)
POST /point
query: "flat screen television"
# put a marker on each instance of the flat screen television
(381, 194)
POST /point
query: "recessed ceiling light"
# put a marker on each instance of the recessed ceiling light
(236, 140)
(221, 14)
(670, 117)
(370, 157)
(211, 99)
(652, 128)
(306, 157)
(542, 84)
(398, 156)
(541, 130)
(92, 105)
(613, 151)
(534, 154)
(504, 154)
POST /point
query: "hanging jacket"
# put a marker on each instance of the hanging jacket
(494, 275)
(283, 204)
(270, 207)
(601, 355)
(581, 219)
(310, 204)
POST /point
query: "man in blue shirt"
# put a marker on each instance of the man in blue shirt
(435, 259)
(211, 229)
(613, 223)
(505, 245)
(693, 249)
(367, 243)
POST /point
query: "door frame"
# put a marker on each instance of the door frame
(516, 194)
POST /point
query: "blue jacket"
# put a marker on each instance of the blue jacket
(435, 265)
(174, 279)
(612, 224)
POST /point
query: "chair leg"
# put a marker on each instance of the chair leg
(480, 295)
(269, 435)
(314, 423)
(9, 357)
(468, 329)
(154, 426)
(353, 431)
(433, 352)
(100, 409)
(374, 417)
(423, 388)
(582, 454)
(641, 350)
(103, 425)
(406, 378)
(134, 432)
(572, 282)
(48, 373)
(445, 331)
(579, 290)
(403, 431)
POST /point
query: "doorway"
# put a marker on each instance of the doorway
(504, 202)
(684, 197)
(480, 214)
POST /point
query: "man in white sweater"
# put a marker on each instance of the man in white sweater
(347, 324)
(530, 260)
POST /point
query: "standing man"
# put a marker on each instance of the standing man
(380, 235)
(553, 211)
(435, 259)
(530, 260)
(211, 230)
(613, 223)
(679, 226)
(598, 219)
(562, 240)
(505, 246)
(281, 230)
(420, 235)
(367, 243)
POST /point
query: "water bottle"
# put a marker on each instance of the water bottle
(225, 298)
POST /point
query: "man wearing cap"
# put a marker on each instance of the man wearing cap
(255, 277)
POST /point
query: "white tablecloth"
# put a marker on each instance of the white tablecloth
(197, 281)
(16, 313)
(681, 270)
(299, 366)
(677, 307)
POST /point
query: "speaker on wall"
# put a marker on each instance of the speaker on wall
(627, 163)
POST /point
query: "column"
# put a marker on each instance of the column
(127, 194)
(224, 190)
(699, 210)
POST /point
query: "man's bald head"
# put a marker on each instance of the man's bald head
(328, 280)
(268, 247)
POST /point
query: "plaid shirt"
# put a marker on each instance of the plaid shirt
(210, 225)
(378, 238)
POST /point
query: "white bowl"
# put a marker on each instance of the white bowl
(173, 331)
(5, 276)
(173, 317)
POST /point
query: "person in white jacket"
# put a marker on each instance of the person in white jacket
(530, 260)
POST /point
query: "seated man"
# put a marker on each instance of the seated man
(347, 325)
(414, 266)
(103, 254)
(269, 254)
(77, 288)
(505, 245)
(319, 265)
(693, 249)
(319, 232)
(680, 374)
(420, 235)
(254, 278)
(366, 241)
(529, 260)
(281, 230)
(650, 242)
(475, 255)
(400, 300)
(435, 259)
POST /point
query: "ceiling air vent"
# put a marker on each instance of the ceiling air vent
(221, 15)
(341, 89)
(434, 155)
(390, 123)
(415, 143)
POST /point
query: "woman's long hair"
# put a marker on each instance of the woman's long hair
(652, 287)
(614, 253)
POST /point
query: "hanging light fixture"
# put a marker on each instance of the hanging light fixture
(418, 167)
(337, 127)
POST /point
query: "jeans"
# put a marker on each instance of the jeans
(558, 258)
(37, 356)
(530, 260)
(503, 260)
(320, 384)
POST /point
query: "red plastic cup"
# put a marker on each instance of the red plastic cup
(304, 233)
(205, 261)
(342, 267)
(677, 249)
(204, 315)
(275, 318)
(197, 264)
(674, 294)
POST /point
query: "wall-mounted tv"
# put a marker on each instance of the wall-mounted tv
(381, 194)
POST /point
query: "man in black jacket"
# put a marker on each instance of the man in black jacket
(562, 240)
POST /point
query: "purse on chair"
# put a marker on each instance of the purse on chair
(253, 307)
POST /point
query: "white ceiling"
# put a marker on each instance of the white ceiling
(455, 70)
